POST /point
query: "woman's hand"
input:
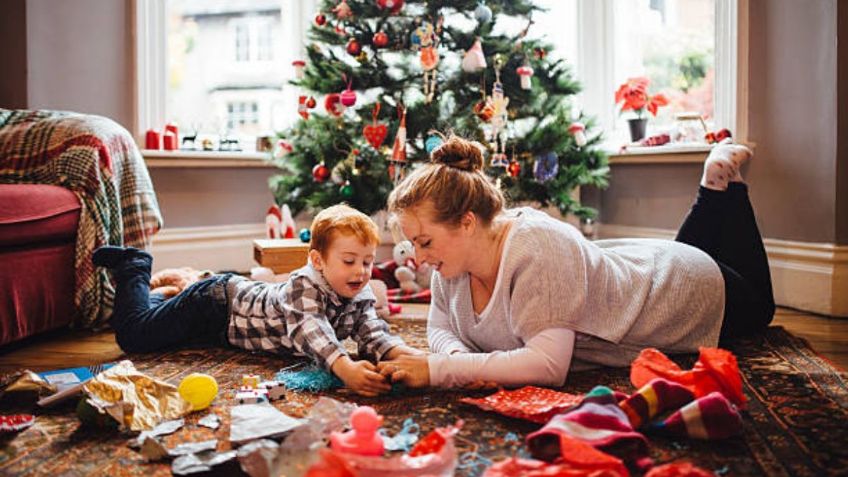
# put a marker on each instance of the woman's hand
(412, 370)
(361, 376)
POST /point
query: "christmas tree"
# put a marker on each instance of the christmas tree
(382, 75)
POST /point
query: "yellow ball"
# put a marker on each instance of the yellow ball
(199, 390)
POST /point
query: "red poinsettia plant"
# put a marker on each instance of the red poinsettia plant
(633, 96)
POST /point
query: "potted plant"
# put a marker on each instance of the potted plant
(633, 96)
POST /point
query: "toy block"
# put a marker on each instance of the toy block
(281, 255)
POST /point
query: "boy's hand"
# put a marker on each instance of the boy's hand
(360, 376)
(412, 370)
(402, 350)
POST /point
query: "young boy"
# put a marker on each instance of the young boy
(321, 304)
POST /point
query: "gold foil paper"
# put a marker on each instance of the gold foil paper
(135, 400)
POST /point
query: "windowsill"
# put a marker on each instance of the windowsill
(205, 159)
(666, 154)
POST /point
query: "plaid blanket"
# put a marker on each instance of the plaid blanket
(98, 160)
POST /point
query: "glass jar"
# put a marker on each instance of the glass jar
(689, 127)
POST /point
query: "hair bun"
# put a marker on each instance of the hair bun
(460, 154)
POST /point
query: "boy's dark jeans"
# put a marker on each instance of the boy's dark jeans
(144, 322)
(722, 224)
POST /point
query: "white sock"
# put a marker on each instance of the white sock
(723, 164)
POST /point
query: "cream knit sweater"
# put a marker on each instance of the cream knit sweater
(616, 296)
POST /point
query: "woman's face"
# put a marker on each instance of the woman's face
(443, 247)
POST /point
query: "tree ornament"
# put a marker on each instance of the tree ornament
(337, 174)
(514, 168)
(525, 73)
(353, 47)
(346, 190)
(474, 59)
(399, 146)
(305, 235)
(375, 133)
(393, 6)
(320, 19)
(578, 130)
(425, 37)
(342, 10)
(333, 104)
(546, 166)
(311, 103)
(432, 142)
(498, 103)
(362, 57)
(539, 53)
(358, 160)
(482, 13)
(299, 65)
(301, 107)
(340, 29)
(320, 172)
(380, 39)
(283, 149)
(348, 96)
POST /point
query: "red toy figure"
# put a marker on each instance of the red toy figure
(363, 438)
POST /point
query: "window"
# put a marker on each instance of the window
(686, 48)
(219, 68)
(222, 68)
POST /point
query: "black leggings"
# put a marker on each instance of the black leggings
(722, 224)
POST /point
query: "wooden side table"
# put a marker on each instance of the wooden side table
(281, 255)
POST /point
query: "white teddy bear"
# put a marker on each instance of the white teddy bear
(411, 276)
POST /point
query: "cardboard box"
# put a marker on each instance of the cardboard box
(281, 255)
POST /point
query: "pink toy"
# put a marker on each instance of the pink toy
(363, 438)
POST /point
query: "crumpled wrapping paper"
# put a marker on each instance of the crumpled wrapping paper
(135, 400)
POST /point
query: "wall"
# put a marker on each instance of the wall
(13, 81)
(842, 128)
(80, 57)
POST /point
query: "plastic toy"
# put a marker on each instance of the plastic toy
(199, 390)
(363, 438)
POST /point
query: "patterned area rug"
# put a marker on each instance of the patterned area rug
(796, 423)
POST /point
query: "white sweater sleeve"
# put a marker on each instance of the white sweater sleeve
(440, 334)
(544, 360)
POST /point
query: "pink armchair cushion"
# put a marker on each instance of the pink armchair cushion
(32, 214)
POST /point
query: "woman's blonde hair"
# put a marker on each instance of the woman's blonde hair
(453, 182)
(343, 219)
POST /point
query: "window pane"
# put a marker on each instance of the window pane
(223, 79)
(672, 43)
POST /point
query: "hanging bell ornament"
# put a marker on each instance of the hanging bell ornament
(514, 168)
(482, 13)
(354, 47)
(320, 172)
(474, 59)
(346, 190)
(380, 40)
(348, 97)
(524, 73)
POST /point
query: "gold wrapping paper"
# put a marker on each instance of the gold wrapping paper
(134, 399)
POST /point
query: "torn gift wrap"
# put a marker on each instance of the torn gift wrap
(255, 421)
(134, 399)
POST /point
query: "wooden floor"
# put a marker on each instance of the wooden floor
(58, 350)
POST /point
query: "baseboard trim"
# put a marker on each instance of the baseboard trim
(808, 276)
(222, 247)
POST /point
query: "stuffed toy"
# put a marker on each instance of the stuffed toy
(171, 281)
(404, 256)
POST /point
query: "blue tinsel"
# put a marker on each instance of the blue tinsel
(311, 378)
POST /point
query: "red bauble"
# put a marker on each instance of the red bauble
(514, 168)
(320, 19)
(310, 103)
(320, 172)
(380, 39)
(394, 6)
(354, 47)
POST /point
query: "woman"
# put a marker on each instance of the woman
(521, 298)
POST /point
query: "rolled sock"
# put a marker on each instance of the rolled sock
(658, 396)
(723, 165)
(709, 417)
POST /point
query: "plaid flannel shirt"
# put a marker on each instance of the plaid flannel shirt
(305, 316)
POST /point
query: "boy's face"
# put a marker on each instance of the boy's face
(346, 265)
